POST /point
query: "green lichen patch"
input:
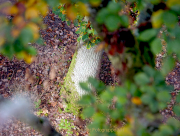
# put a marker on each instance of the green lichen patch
(68, 91)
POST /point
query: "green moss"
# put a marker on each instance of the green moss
(68, 91)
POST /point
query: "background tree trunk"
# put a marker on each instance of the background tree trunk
(85, 63)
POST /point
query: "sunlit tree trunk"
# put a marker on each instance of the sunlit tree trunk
(85, 64)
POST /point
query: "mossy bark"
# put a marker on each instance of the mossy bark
(85, 63)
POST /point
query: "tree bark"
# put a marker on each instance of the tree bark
(86, 63)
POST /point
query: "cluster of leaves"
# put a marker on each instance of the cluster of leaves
(110, 17)
(85, 30)
(66, 125)
(111, 107)
(22, 28)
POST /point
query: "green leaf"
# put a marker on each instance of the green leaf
(120, 91)
(76, 23)
(85, 37)
(178, 98)
(158, 78)
(114, 7)
(52, 3)
(141, 79)
(177, 110)
(173, 46)
(122, 100)
(102, 15)
(18, 47)
(31, 50)
(112, 22)
(146, 98)
(147, 35)
(153, 106)
(85, 87)
(157, 133)
(26, 36)
(132, 88)
(106, 96)
(156, 18)
(156, 46)
(40, 41)
(148, 89)
(93, 81)
(149, 70)
(68, 22)
(168, 65)
(170, 19)
(86, 100)
(162, 105)
(103, 107)
(79, 38)
(176, 8)
(114, 114)
(7, 50)
(88, 112)
(174, 123)
(163, 96)
(166, 130)
(124, 20)
(99, 117)
(100, 87)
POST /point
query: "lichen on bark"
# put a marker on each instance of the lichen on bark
(85, 63)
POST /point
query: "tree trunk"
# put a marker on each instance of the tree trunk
(85, 64)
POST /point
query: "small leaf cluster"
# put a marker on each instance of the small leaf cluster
(66, 125)
(22, 28)
(85, 30)
(109, 106)
(110, 16)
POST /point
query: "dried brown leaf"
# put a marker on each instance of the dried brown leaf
(46, 84)
(52, 74)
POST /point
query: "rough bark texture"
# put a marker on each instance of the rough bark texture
(87, 65)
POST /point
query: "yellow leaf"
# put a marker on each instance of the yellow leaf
(43, 8)
(124, 131)
(35, 29)
(11, 10)
(100, 46)
(28, 58)
(15, 32)
(82, 9)
(31, 13)
(63, 12)
(71, 12)
(29, 3)
(157, 19)
(171, 3)
(20, 55)
(19, 21)
(95, 3)
(129, 119)
(136, 100)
